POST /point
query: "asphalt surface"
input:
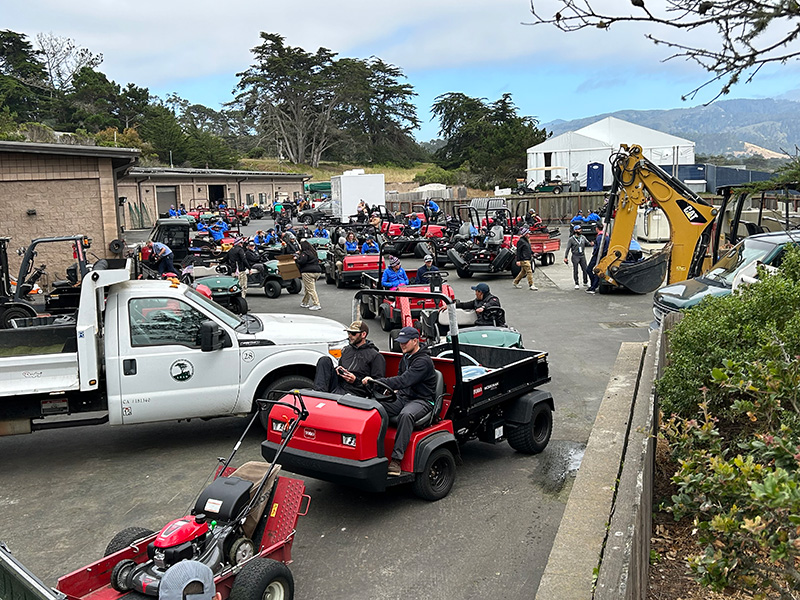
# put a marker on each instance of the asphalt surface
(65, 493)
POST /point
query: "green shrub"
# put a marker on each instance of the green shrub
(736, 327)
(436, 174)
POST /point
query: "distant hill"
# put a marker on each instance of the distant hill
(724, 127)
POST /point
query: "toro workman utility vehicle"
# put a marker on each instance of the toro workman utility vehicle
(483, 393)
(242, 526)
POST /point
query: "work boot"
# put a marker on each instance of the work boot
(394, 468)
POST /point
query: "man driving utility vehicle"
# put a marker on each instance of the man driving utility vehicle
(415, 390)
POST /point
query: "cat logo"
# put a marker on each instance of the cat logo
(181, 370)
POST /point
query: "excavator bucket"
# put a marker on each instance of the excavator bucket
(644, 276)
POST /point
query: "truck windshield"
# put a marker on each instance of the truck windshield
(223, 314)
(741, 255)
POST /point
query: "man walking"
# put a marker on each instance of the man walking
(415, 387)
(524, 258)
(237, 260)
(576, 246)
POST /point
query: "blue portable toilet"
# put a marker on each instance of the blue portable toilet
(594, 177)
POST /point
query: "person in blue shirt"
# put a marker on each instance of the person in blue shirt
(172, 211)
(370, 246)
(414, 222)
(161, 254)
(577, 219)
(182, 209)
(593, 217)
(321, 232)
(217, 232)
(222, 205)
(426, 268)
(433, 208)
(271, 237)
(202, 226)
(351, 243)
(395, 275)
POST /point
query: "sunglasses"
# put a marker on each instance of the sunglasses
(353, 333)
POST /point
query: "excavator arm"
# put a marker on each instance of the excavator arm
(638, 181)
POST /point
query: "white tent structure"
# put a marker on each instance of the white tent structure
(595, 143)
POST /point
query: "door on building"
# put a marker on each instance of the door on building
(166, 196)
(215, 194)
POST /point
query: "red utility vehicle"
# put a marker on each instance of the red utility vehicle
(482, 392)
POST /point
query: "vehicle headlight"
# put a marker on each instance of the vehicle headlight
(335, 348)
(279, 426)
(349, 439)
(234, 288)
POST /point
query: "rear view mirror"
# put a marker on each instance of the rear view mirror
(211, 336)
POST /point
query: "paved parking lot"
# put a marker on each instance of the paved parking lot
(65, 493)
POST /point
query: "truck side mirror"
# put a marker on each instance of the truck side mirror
(211, 336)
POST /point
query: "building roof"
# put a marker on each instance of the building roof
(610, 133)
(68, 149)
(166, 172)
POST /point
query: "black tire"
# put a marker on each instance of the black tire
(120, 573)
(394, 345)
(557, 190)
(125, 538)
(263, 579)
(551, 258)
(294, 286)
(532, 437)
(290, 382)
(420, 250)
(15, 312)
(238, 305)
(386, 322)
(437, 476)
(116, 246)
(604, 288)
(338, 280)
(272, 288)
(441, 261)
(328, 277)
(241, 550)
(463, 273)
(308, 220)
(366, 311)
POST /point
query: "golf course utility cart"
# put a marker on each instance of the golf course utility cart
(494, 253)
(390, 310)
(242, 527)
(483, 393)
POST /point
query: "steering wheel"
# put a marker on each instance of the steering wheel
(380, 391)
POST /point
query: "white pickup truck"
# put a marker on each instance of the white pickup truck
(144, 351)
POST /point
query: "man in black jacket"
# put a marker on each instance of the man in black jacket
(237, 260)
(483, 301)
(360, 358)
(415, 388)
(524, 258)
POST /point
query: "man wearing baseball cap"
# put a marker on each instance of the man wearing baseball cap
(188, 580)
(524, 258)
(427, 267)
(237, 260)
(360, 358)
(576, 246)
(483, 300)
(415, 388)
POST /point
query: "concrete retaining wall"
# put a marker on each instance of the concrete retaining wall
(602, 547)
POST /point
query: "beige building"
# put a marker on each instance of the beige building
(150, 192)
(49, 190)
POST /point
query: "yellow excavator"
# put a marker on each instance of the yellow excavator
(638, 182)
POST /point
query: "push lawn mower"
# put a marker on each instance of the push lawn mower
(228, 529)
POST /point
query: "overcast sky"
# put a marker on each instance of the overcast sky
(478, 47)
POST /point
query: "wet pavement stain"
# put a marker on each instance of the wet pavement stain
(560, 460)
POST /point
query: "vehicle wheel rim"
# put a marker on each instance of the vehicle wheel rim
(439, 475)
(275, 591)
(244, 552)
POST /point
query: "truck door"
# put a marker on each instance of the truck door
(164, 374)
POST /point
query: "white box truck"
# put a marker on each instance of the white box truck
(349, 188)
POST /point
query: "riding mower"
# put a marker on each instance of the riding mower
(495, 254)
(242, 527)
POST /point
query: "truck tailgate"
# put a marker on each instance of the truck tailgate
(40, 373)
